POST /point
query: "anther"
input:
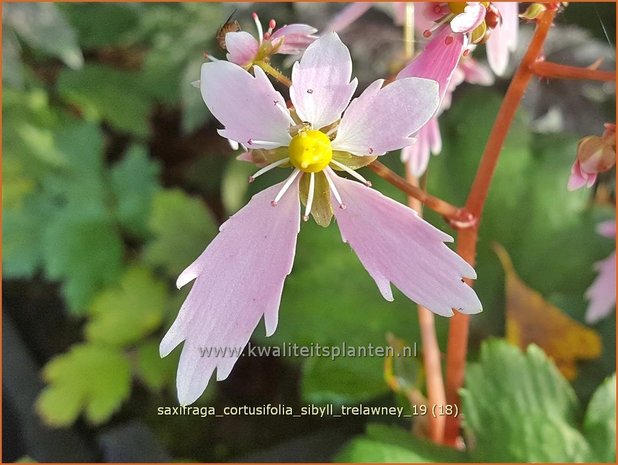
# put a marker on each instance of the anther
(426, 33)
(449, 40)
(351, 172)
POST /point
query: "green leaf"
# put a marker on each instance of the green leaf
(134, 182)
(600, 422)
(234, 185)
(181, 227)
(389, 444)
(125, 313)
(194, 112)
(23, 227)
(102, 24)
(43, 27)
(89, 378)
(518, 408)
(106, 94)
(156, 372)
(84, 251)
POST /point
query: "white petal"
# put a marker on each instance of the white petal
(321, 87)
(395, 245)
(383, 118)
(251, 110)
(240, 278)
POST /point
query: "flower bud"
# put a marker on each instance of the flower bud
(533, 11)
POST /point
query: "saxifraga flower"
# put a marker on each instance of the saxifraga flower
(239, 277)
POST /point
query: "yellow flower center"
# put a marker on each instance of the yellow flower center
(310, 151)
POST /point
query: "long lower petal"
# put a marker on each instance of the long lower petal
(395, 245)
(240, 278)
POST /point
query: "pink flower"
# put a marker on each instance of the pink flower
(428, 139)
(243, 49)
(441, 60)
(594, 155)
(239, 277)
(494, 23)
(602, 292)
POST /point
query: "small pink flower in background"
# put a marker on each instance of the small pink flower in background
(429, 139)
(602, 292)
(239, 277)
(595, 154)
(244, 49)
(493, 23)
(350, 13)
(442, 60)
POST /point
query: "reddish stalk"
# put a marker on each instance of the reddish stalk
(550, 70)
(467, 240)
(432, 357)
(450, 212)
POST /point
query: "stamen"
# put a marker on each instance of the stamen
(328, 172)
(351, 172)
(285, 187)
(310, 197)
(265, 144)
(427, 32)
(267, 168)
(332, 131)
(271, 26)
(258, 25)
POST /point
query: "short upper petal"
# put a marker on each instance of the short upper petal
(439, 59)
(296, 38)
(382, 119)
(472, 16)
(252, 111)
(242, 47)
(321, 87)
(395, 245)
(240, 278)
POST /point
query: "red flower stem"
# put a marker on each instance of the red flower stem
(467, 238)
(550, 70)
(451, 212)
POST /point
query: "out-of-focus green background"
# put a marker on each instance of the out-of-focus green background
(114, 180)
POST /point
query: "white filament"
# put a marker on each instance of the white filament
(285, 187)
(258, 25)
(310, 197)
(328, 172)
(351, 172)
(267, 168)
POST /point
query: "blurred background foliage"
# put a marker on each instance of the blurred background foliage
(115, 180)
